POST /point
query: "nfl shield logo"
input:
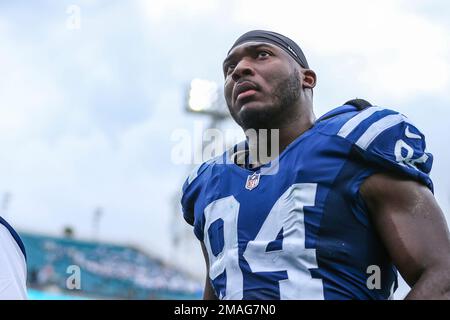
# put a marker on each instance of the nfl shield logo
(252, 181)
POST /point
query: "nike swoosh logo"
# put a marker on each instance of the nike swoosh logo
(411, 135)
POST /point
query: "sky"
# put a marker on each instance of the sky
(92, 92)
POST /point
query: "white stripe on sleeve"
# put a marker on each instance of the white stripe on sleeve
(351, 124)
(378, 128)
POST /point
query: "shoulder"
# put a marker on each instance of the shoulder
(369, 126)
(194, 175)
(382, 136)
(351, 123)
(194, 184)
(6, 228)
(200, 172)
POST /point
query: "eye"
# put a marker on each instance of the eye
(263, 54)
(229, 68)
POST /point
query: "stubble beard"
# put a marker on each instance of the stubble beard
(285, 97)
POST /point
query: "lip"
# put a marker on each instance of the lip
(245, 94)
(244, 89)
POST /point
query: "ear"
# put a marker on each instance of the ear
(309, 78)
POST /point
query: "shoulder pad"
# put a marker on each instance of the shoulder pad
(360, 104)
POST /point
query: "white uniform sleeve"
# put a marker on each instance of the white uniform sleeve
(13, 271)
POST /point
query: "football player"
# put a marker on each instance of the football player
(346, 202)
(13, 270)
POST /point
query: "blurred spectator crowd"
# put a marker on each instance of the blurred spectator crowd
(106, 270)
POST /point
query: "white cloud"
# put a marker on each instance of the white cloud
(30, 98)
(159, 10)
(399, 52)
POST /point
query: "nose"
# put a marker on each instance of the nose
(242, 69)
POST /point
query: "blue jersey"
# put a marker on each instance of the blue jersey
(303, 231)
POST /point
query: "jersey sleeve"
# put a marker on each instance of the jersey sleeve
(191, 192)
(387, 141)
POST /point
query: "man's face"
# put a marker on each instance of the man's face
(262, 84)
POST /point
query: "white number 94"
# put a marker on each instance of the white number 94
(287, 214)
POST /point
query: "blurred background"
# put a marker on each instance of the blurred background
(93, 98)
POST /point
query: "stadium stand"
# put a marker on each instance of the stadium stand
(108, 271)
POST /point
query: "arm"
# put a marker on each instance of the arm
(414, 232)
(208, 294)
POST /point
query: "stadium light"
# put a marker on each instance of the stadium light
(204, 96)
(201, 97)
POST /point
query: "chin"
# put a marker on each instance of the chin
(256, 116)
(253, 105)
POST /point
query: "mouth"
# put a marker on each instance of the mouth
(244, 90)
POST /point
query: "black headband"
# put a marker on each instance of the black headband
(277, 39)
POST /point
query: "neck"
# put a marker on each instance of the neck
(267, 144)
(295, 129)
